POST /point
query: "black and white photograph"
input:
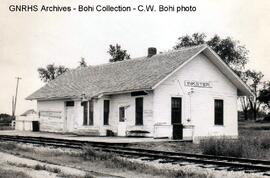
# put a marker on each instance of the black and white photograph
(134, 89)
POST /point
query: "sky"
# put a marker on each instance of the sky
(29, 40)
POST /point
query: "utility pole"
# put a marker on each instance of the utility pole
(12, 105)
(15, 102)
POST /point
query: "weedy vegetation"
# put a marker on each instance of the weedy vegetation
(253, 142)
(11, 174)
(63, 175)
(120, 163)
(37, 167)
(87, 157)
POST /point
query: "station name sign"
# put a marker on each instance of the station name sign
(199, 84)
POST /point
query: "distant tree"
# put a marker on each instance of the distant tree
(4, 115)
(50, 72)
(82, 63)
(5, 118)
(117, 54)
(264, 94)
(236, 57)
(254, 80)
(245, 106)
(229, 50)
(190, 40)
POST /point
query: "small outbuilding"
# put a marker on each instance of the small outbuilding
(24, 122)
(183, 94)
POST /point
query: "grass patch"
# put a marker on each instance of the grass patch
(74, 176)
(8, 146)
(221, 147)
(59, 173)
(93, 155)
(35, 150)
(37, 167)
(12, 174)
(250, 147)
(47, 168)
(173, 146)
(116, 162)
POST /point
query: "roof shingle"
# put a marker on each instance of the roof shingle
(129, 75)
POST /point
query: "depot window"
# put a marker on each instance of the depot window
(106, 111)
(88, 112)
(219, 112)
(91, 112)
(139, 111)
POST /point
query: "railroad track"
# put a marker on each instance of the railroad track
(217, 162)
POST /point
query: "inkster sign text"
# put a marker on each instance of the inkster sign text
(197, 84)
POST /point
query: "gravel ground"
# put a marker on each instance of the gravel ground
(36, 154)
(75, 166)
(9, 161)
(210, 172)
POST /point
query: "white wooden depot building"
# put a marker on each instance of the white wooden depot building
(182, 94)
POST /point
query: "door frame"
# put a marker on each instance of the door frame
(66, 128)
(177, 125)
(122, 122)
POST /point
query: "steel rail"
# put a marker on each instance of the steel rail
(192, 159)
(256, 164)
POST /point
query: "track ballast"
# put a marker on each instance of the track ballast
(219, 162)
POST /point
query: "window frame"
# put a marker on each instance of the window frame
(122, 114)
(91, 113)
(218, 112)
(85, 112)
(139, 111)
(179, 119)
(106, 112)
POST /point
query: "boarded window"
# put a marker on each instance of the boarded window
(219, 112)
(139, 111)
(91, 113)
(106, 109)
(121, 114)
(85, 112)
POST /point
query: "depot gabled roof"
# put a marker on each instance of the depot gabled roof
(130, 75)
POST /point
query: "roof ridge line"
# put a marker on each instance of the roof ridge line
(145, 57)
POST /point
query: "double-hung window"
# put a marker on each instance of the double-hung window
(88, 112)
(219, 112)
(91, 112)
(106, 111)
(139, 111)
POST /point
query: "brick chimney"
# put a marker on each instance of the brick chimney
(152, 51)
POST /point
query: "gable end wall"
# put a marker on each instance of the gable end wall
(199, 106)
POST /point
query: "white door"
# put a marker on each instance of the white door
(69, 119)
(122, 127)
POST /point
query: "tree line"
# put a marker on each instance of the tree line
(51, 71)
(229, 50)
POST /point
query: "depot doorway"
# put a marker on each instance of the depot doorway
(176, 118)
